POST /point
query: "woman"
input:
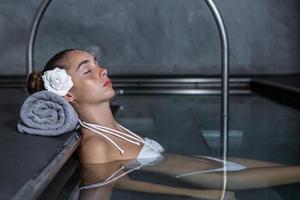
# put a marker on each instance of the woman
(103, 138)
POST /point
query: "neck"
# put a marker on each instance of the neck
(97, 114)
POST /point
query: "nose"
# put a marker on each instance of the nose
(103, 72)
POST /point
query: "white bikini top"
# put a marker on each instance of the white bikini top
(150, 154)
(150, 151)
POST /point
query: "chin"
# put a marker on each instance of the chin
(111, 93)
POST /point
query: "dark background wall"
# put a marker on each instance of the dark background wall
(156, 36)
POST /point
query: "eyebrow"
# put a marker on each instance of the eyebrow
(84, 62)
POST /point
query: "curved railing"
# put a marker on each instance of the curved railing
(33, 31)
(225, 86)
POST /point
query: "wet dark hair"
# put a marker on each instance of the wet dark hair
(35, 82)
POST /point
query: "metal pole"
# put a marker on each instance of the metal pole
(34, 27)
(225, 85)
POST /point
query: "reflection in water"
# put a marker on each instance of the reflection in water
(98, 180)
(114, 170)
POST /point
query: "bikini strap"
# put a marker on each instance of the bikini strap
(116, 132)
(110, 140)
(133, 138)
(132, 133)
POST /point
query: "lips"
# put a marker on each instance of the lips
(106, 82)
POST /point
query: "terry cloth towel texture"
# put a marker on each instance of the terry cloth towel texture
(48, 114)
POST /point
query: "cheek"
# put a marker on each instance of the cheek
(80, 89)
(82, 86)
(91, 92)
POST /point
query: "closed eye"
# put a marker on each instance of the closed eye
(88, 71)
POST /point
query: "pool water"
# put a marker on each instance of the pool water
(259, 128)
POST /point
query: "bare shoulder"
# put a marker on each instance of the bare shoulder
(94, 150)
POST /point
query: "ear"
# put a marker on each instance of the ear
(69, 97)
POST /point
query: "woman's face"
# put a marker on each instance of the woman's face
(90, 82)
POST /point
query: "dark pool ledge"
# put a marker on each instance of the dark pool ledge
(30, 163)
(283, 88)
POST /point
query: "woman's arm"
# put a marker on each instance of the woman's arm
(141, 186)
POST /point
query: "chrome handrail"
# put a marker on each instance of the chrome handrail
(33, 30)
(225, 89)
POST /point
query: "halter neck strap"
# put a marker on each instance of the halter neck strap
(133, 138)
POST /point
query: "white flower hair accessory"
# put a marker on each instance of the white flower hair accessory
(57, 81)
